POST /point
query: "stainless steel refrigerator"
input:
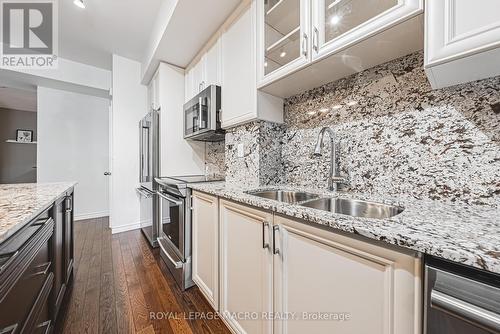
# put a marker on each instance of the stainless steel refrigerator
(149, 160)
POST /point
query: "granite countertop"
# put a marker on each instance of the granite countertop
(465, 234)
(20, 203)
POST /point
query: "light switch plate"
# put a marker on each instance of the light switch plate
(241, 151)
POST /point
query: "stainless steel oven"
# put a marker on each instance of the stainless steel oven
(460, 299)
(175, 224)
(175, 234)
(202, 116)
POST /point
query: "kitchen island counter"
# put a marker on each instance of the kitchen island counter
(20, 203)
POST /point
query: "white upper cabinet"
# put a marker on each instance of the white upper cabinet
(462, 41)
(195, 79)
(205, 72)
(338, 24)
(283, 27)
(337, 38)
(241, 102)
(213, 65)
(154, 93)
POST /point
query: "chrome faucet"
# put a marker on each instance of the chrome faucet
(334, 178)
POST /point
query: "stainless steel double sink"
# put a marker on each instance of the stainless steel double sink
(349, 207)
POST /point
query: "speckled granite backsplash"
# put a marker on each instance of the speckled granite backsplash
(261, 163)
(398, 136)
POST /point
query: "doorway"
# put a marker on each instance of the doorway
(18, 135)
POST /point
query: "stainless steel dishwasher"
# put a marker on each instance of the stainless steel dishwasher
(460, 299)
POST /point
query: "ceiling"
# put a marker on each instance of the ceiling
(104, 27)
(18, 99)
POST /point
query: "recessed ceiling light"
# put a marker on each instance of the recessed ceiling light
(79, 3)
(335, 20)
(282, 54)
(323, 110)
(265, 64)
(352, 103)
(337, 106)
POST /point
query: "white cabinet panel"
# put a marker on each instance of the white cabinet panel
(246, 268)
(238, 70)
(283, 37)
(342, 38)
(340, 24)
(358, 287)
(455, 29)
(213, 65)
(241, 102)
(188, 86)
(206, 246)
(188, 157)
(472, 16)
(462, 41)
(154, 93)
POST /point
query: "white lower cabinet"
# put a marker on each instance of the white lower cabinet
(206, 246)
(278, 275)
(330, 283)
(246, 268)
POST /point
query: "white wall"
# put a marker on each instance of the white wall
(178, 156)
(129, 106)
(73, 146)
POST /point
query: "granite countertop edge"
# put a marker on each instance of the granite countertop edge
(469, 235)
(21, 203)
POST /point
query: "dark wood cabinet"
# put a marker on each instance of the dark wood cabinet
(59, 287)
(26, 277)
(62, 250)
(36, 266)
(68, 237)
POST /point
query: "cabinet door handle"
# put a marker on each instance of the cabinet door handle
(304, 45)
(9, 330)
(265, 231)
(11, 257)
(44, 271)
(316, 40)
(276, 250)
(45, 324)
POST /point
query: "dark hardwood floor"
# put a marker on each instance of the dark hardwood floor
(118, 285)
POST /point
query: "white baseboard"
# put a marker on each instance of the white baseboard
(91, 215)
(125, 228)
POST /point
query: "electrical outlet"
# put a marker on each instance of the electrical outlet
(241, 151)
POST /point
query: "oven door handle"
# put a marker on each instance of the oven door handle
(177, 264)
(144, 193)
(170, 199)
(465, 311)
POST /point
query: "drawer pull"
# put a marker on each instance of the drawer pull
(41, 221)
(9, 330)
(44, 271)
(46, 325)
(11, 256)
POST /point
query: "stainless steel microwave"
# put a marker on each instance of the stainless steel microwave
(202, 116)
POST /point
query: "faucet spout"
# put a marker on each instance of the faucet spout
(334, 178)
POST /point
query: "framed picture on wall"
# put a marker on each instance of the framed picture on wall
(24, 136)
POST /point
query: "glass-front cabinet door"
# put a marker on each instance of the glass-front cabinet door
(338, 24)
(283, 37)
